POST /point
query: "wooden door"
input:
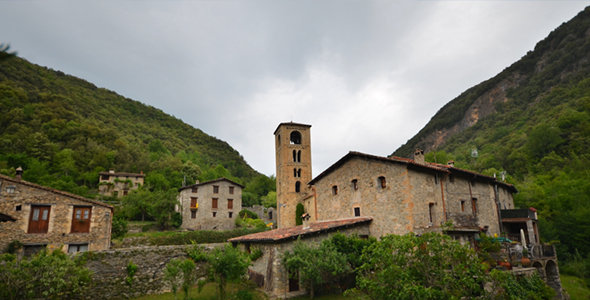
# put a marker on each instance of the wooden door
(81, 219)
(294, 281)
(39, 219)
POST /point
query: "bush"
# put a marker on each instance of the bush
(176, 220)
(201, 236)
(248, 213)
(119, 227)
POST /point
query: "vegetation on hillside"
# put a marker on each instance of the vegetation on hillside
(540, 136)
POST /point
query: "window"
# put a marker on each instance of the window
(10, 189)
(298, 172)
(230, 203)
(31, 250)
(474, 205)
(431, 212)
(297, 187)
(355, 184)
(299, 156)
(39, 219)
(214, 203)
(105, 177)
(335, 190)
(194, 202)
(294, 155)
(77, 248)
(215, 189)
(270, 215)
(231, 190)
(279, 139)
(451, 178)
(20, 207)
(294, 172)
(435, 178)
(193, 214)
(462, 205)
(195, 190)
(295, 138)
(382, 182)
(230, 214)
(124, 193)
(81, 219)
(214, 214)
(357, 211)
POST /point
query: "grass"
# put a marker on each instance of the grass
(575, 287)
(208, 293)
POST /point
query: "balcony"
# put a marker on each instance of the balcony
(518, 214)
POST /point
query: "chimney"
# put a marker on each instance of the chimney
(450, 163)
(112, 171)
(305, 217)
(196, 182)
(141, 172)
(419, 156)
(19, 174)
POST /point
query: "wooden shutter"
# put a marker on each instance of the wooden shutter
(81, 219)
(39, 219)
(230, 203)
(193, 202)
(214, 203)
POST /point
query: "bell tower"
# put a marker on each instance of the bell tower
(293, 159)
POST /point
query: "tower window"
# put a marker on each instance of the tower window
(299, 156)
(298, 172)
(294, 155)
(295, 138)
(297, 187)
(294, 172)
(382, 182)
(335, 190)
(355, 184)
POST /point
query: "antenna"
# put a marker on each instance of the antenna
(474, 155)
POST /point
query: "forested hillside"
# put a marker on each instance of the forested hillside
(533, 121)
(64, 130)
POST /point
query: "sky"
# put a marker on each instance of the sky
(367, 75)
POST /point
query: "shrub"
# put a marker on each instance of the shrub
(248, 214)
(119, 227)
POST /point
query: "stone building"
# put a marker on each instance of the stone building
(210, 205)
(268, 271)
(293, 161)
(119, 184)
(39, 216)
(404, 195)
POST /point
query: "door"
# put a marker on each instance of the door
(293, 281)
(39, 219)
(81, 219)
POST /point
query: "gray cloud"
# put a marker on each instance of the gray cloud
(367, 75)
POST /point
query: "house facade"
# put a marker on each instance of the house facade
(211, 205)
(39, 216)
(119, 184)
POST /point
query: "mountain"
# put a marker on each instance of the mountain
(64, 130)
(533, 121)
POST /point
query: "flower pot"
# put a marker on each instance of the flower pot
(525, 261)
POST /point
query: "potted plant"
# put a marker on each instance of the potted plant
(525, 260)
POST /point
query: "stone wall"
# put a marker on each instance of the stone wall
(61, 212)
(110, 271)
(266, 214)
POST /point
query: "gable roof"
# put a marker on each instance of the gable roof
(52, 190)
(412, 163)
(209, 182)
(297, 231)
(291, 123)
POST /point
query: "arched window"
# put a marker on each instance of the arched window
(295, 138)
(299, 156)
(294, 172)
(294, 155)
(297, 187)
(382, 182)
(299, 173)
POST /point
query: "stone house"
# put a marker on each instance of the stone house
(210, 205)
(268, 271)
(39, 216)
(119, 184)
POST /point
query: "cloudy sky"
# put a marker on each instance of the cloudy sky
(367, 75)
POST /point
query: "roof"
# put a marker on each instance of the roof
(52, 190)
(209, 182)
(291, 124)
(6, 218)
(294, 232)
(122, 174)
(409, 162)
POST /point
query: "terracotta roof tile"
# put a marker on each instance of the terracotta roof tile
(294, 232)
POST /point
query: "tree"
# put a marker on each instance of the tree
(162, 206)
(270, 200)
(138, 202)
(315, 264)
(226, 264)
(180, 272)
(48, 274)
(299, 211)
(119, 227)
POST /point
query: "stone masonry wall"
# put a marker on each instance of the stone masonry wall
(18, 206)
(110, 271)
(204, 218)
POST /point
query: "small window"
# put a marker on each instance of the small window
(230, 203)
(30, 250)
(194, 202)
(195, 190)
(215, 189)
(124, 193)
(295, 138)
(231, 190)
(299, 156)
(431, 212)
(78, 248)
(270, 215)
(230, 214)
(382, 182)
(298, 172)
(435, 178)
(462, 205)
(357, 211)
(294, 155)
(20, 207)
(297, 187)
(193, 214)
(214, 203)
(105, 177)
(335, 190)
(355, 184)
(10, 189)
(214, 214)
(295, 173)
(474, 205)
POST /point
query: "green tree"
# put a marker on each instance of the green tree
(314, 264)
(270, 200)
(48, 274)
(162, 206)
(119, 227)
(227, 264)
(299, 211)
(180, 273)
